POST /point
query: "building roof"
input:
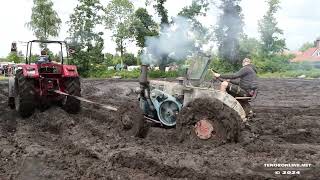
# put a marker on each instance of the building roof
(310, 55)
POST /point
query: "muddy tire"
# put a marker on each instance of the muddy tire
(224, 123)
(246, 106)
(24, 100)
(70, 104)
(132, 121)
(11, 103)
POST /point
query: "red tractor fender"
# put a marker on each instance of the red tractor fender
(69, 71)
(30, 70)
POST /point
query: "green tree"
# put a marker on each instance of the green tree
(162, 11)
(14, 57)
(143, 26)
(83, 22)
(82, 35)
(272, 43)
(108, 58)
(197, 9)
(119, 14)
(229, 30)
(249, 47)
(306, 46)
(116, 59)
(45, 21)
(129, 59)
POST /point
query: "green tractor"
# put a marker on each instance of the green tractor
(193, 106)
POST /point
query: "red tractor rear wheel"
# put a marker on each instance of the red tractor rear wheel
(72, 87)
(24, 95)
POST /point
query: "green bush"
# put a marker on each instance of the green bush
(301, 66)
(103, 73)
(276, 63)
(223, 66)
(160, 74)
(129, 59)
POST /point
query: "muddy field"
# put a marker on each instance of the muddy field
(56, 145)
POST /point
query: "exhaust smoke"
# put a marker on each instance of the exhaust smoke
(176, 42)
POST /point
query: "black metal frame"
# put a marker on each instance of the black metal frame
(29, 45)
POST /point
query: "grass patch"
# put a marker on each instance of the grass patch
(132, 74)
(3, 78)
(312, 73)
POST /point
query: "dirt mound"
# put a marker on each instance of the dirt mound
(56, 145)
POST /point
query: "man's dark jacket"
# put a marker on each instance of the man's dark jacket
(247, 76)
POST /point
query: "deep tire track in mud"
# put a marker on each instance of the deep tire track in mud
(56, 145)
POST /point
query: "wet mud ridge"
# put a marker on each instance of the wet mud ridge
(57, 145)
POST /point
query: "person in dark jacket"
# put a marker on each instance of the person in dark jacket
(243, 83)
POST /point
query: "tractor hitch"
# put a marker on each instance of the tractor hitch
(109, 107)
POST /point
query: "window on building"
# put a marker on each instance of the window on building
(317, 53)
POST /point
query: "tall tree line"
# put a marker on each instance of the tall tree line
(129, 25)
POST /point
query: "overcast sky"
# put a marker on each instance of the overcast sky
(299, 20)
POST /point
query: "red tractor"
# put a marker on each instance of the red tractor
(34, 85)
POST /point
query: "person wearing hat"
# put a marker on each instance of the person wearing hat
(243, 83)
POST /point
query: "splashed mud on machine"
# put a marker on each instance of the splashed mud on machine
(197, 112)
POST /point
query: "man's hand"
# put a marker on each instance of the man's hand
(216, 75)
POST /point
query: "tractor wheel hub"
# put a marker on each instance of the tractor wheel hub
(204, 129)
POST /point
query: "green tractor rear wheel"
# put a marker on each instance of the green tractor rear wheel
(207, 121)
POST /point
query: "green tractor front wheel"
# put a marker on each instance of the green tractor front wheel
(132, 121)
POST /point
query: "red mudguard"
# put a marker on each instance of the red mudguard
(30, 70)
(69, 71)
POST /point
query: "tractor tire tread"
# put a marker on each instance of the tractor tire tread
(225, 117)
(26, 92)
(72, 87)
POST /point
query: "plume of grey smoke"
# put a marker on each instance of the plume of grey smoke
(176, 42)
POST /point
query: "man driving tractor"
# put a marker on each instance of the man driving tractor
(246, 86)
(44, 58)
